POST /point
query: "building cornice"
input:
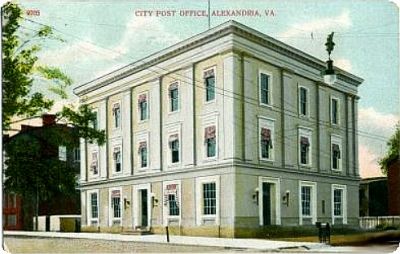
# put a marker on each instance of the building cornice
(230, 27)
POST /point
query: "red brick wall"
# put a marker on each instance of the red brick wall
(394, 188)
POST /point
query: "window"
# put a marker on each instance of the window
(334, 111)
(303, 101)
(209, 80)
(116, 115)
(209, 199)
(174, 146)
(173, 206)
(266, 143)
(306, 200)
(304, 150)
(339, 205)
(210, 141)
(171, 198)
(143, 154)
(12, 200)
(11, 220)
(94, 166)
(265, 89)
(117, 159)
(143, 107)
(77, 154)
(336, 157)
(174, 97)
(94, 206)
(338, 202)
(62, 153)
(116, 203)
(95, 120)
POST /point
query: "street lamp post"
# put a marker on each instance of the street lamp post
(329, 73)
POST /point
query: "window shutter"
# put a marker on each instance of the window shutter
(304, 141)
(209, 132)
(209, 73)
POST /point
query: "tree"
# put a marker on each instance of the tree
(30, 172)
(20, 68)
(393, 152)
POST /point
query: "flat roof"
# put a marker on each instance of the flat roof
(197, 40)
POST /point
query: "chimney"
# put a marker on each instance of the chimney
(48, 119)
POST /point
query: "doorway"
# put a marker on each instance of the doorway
(266, 196)
(143, 207)
(269, 201)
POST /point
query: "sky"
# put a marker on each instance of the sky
(101, 36)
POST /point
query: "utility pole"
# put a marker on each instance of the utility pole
(209, 15)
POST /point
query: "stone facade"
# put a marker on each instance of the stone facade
(254, 140)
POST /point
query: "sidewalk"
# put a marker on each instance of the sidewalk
(256, 244)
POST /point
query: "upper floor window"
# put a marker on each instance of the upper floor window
(266, 143)
(210, 141)
(62, 153)
(143, 107)
(334, 111)
(117, 115)
(143, 154)
(174, 146)
(117, 159)
(77, 154)
(94, 166)
(303, 101)
(95, 120)
(304, 147)
(265, 88)
(209, 80)
(174, 97)
(335, 155)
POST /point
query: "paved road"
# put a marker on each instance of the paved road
(23, 244)
(65, 245)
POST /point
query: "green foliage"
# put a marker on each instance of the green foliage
(82, 120)
(20, 67)
(393, 152)
(33, 167)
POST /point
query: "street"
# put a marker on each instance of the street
(27, 244)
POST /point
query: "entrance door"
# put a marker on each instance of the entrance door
(143, 207)
(266, 194)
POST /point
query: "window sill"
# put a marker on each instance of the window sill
(210, 159)
(266, 105)
(267, 160)
(305, 117)
(174, 165)
(209, 102)
(143, 121)
(171, 113)
(305, 165)
(336, 170)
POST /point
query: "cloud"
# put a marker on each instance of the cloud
(310, 36)
(142, 36)
(368, 162)
(344, 64)
(375, 128)
(377, 122)
(319, 25)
